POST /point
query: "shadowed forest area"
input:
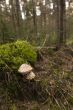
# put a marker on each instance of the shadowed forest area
(36, 54)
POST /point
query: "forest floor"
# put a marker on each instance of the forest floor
(52, 59)
(51, 66)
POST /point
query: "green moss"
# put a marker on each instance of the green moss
(26, 50)
(16, 62)
(17, 53)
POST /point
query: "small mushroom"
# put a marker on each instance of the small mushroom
(26, 70)
(30, 76)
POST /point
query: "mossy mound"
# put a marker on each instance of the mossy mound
(12, 55)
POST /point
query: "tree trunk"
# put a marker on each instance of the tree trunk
(61, 22)
(34, 18)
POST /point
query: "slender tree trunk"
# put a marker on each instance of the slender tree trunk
(13, 18)
(61, 22)
(34, 18)
(62, 6)
(18, 18)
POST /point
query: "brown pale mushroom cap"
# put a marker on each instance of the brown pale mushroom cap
(25, 69)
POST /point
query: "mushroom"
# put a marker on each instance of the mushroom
(26, 70)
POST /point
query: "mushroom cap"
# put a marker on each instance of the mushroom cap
(25, 69)
(30, 76)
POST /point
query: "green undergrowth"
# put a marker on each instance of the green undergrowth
(12, 55)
